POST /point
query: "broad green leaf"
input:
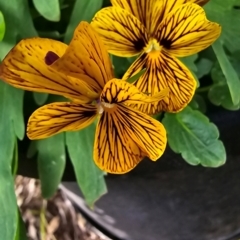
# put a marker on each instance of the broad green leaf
(229, 72)
(40, 98)
(8, 205)
(12, 117)
(83, 10)
(2, 26)
(21, 230)
(89, 177)
(18, 22)
(204, 67)
(219, 93)
(190, 133)
(18, 25)
(222, 12)
(51, 162)
(49, 9)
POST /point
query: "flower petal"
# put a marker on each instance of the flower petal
(122, 33)
(119, 91)
(25, 67)
(141, 9)
(124, 136)
(86, 58)
(161, 9)
(163, 71)
(54, 118)
(186, 31)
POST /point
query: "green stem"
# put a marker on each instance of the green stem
(43, 220)
(204, 89)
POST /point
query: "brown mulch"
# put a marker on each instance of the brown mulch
(54, 219)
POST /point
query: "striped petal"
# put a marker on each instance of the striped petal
(59, 117)
(122, 32)
(26, 67)
(152, 12)
(124, 136)
(141, 9)
(186, 31)
(162, 8)
(163, 71)
(86, 58)
(118, 91)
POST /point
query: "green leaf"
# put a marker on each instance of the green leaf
(49, 9)
(191, 134)
(219, 93)
(18, 21)
(191, 65)
(136, 76)
(40, 98)
(190, 62)
(51, 162)
(121, 65)
(204, 67)
(83, 10)
(198, 103)
(2, 26)
(223, 13)
(89, 177)
(19, 25)
(8, 205)
(229, 72)
(21, 230)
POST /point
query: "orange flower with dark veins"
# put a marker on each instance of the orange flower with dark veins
(82, 72)
(160, 31)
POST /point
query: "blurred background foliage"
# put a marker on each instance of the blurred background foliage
(190, 132)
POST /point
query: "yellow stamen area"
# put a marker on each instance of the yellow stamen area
(152, 46)
(104, 106)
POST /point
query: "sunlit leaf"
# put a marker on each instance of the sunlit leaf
(51, 162)
(83, 10)
(89, 177)
(2, 26)
(190, 133)
(229, 72)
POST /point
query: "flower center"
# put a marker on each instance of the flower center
(101, 106)
(152, 46)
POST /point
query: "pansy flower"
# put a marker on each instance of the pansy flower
(82, 72)
(160, 31)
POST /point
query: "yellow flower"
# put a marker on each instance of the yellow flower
(83, 73)
(160, 30)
